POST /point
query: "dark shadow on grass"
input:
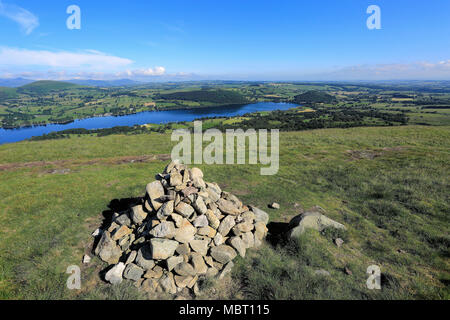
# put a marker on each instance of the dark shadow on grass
(115, 205)
(119, 206)
(275, 235)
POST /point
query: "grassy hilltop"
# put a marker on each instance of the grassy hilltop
(388, 185)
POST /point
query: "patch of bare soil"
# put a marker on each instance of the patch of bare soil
(62, 163)
(371, 154)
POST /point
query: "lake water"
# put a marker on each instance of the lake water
(157, 117)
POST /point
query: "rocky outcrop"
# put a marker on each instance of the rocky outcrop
(311, 220)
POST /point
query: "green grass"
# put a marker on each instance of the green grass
(45, 86)
(395, 206)
(7, 93)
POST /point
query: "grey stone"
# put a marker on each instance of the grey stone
(184, 269)
(154, 191)
(107, 249)
(200, 206)
(167, 283)
(231, 197)
(183, 281)
(242, 228)
(339, 242)
(173, 261)
(212, 194)
(138, 214)
(248, 239)
(121, 232)
(133, 272)
(213, 221)
(200, 246)
(321, 272)
(201, 221)
(154, 273)
(311, 220)
(184, 209)
(177, 219)
(165, 229)
(209, 261)
(214, 187)
(198, 263)
(195, 173)
(97, 232)
(226, 225)
(131, 257)
(260, 215)
(144, 258)
(207, 231)
(175, 178)
(123, 220)
(165, 210)
(218, 239)
(248, 216)
(114, 276)
(275, 206)
(260, 231)
(162, 249)
(183, 249)
(188, 191)
(185, 233)
(223, 253)
(86, 259)
(171, 165)
(228, 207)
(199, 183)
(238, 244)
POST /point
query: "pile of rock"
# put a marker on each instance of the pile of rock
(183, 229)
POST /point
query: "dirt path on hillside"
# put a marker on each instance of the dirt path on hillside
(66, 162)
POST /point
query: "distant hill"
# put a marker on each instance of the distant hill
(45, 86)
(106, 83)
(215, 96)
(16, 82)
(314, 97)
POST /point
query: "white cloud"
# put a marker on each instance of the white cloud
(55, 74)
(27, 20)
(157, 71)
(14, 57)
(420, 70)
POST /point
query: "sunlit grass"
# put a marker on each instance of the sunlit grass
(394, 205)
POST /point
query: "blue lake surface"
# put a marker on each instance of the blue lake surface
(157, 117)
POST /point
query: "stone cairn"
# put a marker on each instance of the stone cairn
(184, 229)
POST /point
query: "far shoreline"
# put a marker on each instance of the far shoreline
(19, 127)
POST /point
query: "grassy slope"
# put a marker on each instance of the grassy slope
(398, 200)
(7, 93)
(45, 86)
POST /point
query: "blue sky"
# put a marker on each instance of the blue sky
(233, 39)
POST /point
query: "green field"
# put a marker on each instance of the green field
(388, 185)
(44, 102)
